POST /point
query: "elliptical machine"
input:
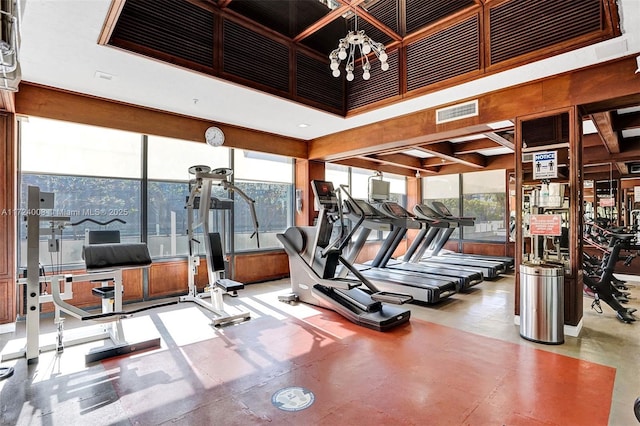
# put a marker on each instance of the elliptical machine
(314, 258)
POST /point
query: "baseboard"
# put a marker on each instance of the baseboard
(569, 330)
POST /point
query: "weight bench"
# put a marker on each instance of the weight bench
(105, 263)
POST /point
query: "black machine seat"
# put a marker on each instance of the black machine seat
(119, 255)
(229, 285)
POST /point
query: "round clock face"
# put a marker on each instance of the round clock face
(214, 136)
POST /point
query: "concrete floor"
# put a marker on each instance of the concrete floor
(203, 375)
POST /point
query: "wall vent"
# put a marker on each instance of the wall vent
(634, 168)
(457, 112)
(527, 157)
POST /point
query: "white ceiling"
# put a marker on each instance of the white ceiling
(59, 48)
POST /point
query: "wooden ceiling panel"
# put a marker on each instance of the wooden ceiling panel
(438, 43)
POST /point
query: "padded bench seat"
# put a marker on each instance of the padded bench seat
(117, 255)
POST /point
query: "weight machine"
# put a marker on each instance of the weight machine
(201, 200)
(104, 263)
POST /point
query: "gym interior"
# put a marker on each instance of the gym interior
(239, 212)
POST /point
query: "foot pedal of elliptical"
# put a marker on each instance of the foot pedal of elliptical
(394, 298)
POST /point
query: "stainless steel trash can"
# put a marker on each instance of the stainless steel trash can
(542, 303)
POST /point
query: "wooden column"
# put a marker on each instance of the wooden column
(306, 171)
(7, 220)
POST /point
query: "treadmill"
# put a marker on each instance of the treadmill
(438, 236)
(445, 213)
(424, 288)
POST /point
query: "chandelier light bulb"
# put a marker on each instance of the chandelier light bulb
(366, 48)
(349, 76)
(384, 66)
(366, 75)
(383, 56)
(334, 65)
(336, 72)
(342, 54)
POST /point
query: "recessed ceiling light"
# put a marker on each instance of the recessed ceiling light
(103, 75)
(303, 125)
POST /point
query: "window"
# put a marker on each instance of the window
(268, 180)
(100, 173)
(484, 198)
(71, 161)
(169, 161)
(446, 189)
(337, 174)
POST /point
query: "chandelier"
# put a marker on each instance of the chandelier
(347, 49)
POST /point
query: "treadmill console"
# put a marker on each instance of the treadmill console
(395, 210)
(368, 209)
(440, 208)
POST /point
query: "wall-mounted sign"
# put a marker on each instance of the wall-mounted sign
(545, 224)
(607, 202)
(545, 165)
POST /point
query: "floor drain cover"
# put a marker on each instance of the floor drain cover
(293, 398)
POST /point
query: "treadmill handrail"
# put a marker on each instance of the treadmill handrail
(361, 218)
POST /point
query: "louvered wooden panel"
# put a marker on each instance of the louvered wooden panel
(523, 26)
(421, 13)
(315, 82)
(448, 53)
(386, 11)
(381, 85)
(176, 28)
(266, 63)
(369, 30)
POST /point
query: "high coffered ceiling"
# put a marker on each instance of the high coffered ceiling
(89, 47)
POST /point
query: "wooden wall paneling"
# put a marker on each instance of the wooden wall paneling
(68, 106)
(8, 170)
(168, 278)
(7, 301)
(490, 249)
(305, 172)
(256, 267)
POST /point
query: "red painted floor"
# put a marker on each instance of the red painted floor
(421, 373)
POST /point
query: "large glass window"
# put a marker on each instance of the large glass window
(94, 174)
(484, 198)
(169, 161)
(268, 180)
(336, 173)
(99, 173)
(446, 189)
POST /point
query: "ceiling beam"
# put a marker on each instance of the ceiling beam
(604, 125)
(325, 20)
(362, 163)
(360, 12)
(223, 3)
(595, 155)
(400, 160)
(501, 140)
(474, 146)
(623, 168)
(445, 150)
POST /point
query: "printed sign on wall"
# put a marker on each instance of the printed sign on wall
(545, 165)
(545, 224)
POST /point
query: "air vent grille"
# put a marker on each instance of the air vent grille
(457, 112)
(421, 13)
(268, 63)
